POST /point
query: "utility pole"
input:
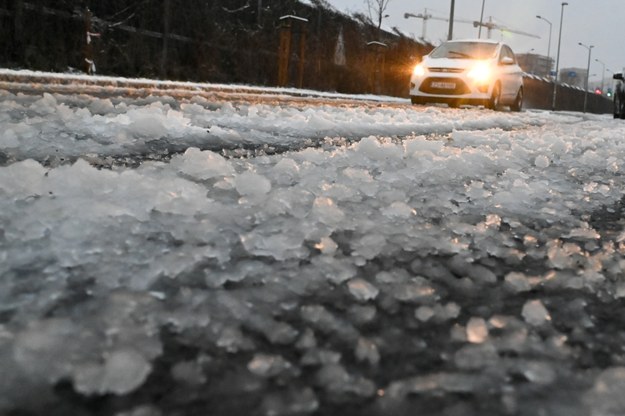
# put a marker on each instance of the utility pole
(166, 30)
(479, 32)
(450, 35)
(589, 47)
(555, 81)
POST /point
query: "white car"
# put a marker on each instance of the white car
(474, 72)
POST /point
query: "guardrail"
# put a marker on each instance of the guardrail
(539, 95)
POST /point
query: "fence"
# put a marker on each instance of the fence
(223, 41)
(539, 95)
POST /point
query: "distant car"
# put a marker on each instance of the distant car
(619, 96)
(474, 72)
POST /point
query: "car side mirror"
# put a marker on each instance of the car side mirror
(618, 76)
(506, 60)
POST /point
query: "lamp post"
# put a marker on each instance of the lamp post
(602, 73)
(587, 73)
(450, 34)
(479, 32)
(555, 83)
(549, 44)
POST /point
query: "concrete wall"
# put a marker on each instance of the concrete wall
(539, 95)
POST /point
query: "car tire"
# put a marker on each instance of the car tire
(454, 104)
(517, 105)
(416, 101)
(495, 98)
(618, 106)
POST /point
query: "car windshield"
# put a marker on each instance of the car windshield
(465, 50)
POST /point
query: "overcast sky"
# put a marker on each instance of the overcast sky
(600, 23)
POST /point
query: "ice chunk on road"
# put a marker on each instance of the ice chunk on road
(326, 245)
(362, 290)
(373, 149)
(606, 397)
(266, 365)
(477, 331)
(399, 209)
(326, 211)
(290, 402)
(122, 372)
(517, 282)
(367, 350)
(542, 161)
(535, 313)
(23, 179)
(202, 164)
(252, 184)
(476, 356)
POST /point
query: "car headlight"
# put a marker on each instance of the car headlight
(419, 70)
(480, 73)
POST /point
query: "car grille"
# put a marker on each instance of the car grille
(428, 88)
(446, 70)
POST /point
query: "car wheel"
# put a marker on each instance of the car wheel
(517, 105)
(454, 104)
(416, 100)
(495, 97)
(618, 106)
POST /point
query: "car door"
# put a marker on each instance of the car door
(510, 73)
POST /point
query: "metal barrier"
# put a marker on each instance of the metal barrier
(539, 93)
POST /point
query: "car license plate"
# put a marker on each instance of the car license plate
(444, 85)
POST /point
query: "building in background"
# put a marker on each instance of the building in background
(535, 64)
(573, 76)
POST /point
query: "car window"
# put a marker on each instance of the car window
(506, 52)
(465, 50)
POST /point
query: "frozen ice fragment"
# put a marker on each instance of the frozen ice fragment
(424, 313)
(399, 209)
(202, 164)
(367, 350)
(518, 282)
(327, 246)
(252, 184)
(266, 365)
(535, 313)
(476, 356)
(606, 397)
(362, 290)
(122, 372)
(542, 161)
(538, 372)
(477, 331)
(290, 402)
(189, 372)
(326, 211)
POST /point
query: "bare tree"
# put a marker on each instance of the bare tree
(377, 9)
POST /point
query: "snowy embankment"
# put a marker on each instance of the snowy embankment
(388, 260)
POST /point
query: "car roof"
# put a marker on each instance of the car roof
(490, 41)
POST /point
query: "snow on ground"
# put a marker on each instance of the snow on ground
(386, 260)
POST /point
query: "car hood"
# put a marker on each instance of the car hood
(449, 63)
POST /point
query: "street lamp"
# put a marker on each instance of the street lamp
(555, 83)
(602, 73)
(549, 44)
(587, 73)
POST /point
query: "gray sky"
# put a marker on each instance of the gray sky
(593, 22)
